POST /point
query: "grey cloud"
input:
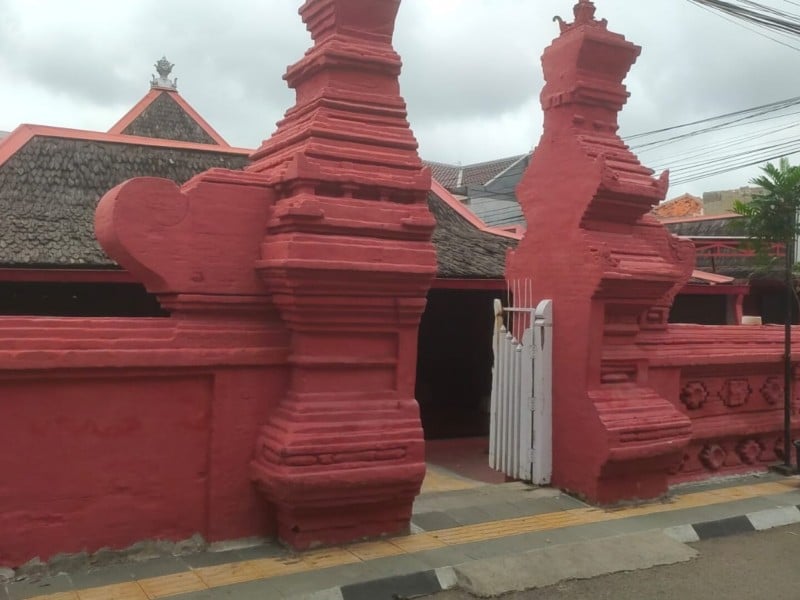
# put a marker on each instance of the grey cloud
(471, 67)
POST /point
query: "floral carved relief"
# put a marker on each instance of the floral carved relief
(736, 392)
(694, 394)
(749, 451)
(713, 457)
(772, 390)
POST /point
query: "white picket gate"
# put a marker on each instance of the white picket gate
(521, 437)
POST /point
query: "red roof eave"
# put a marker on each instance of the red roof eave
(24, 133)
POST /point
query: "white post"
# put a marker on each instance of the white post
(543, 394)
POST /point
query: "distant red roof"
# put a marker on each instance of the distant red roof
(680, 207)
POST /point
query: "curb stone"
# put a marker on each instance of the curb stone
(756, 521)
(413, 585)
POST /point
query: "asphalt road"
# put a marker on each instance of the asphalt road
(744, 567)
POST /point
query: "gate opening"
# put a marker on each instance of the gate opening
(454, 363)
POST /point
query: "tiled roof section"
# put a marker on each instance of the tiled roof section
(165, 119)
(496, 210)
(718, 260)
(447, 175)
(483, 173)
(50, 187)
(456, 177)
(718, 226)
(462, 250)
(682, 206)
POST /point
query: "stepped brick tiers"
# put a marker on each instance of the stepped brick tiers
(328, 234)
(348, 261)
(625, 382)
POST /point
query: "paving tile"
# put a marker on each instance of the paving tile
(417, 542)
(395, 565)
(443, 557)
(280, 566)
(120, 591)
(503, 510)
(254, 590)
(434, 521)
(157, 567)
(101, 576)
(499, 547)
(210, 559)
(172, 585)
(228, 574)
(22, 590)
(563, 502)
(57, 596)
(527, 508)
(270, 550)
(470, 515)
(204, 595)
(373, 550)
(329, 557)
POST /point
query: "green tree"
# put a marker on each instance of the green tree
(769, 219)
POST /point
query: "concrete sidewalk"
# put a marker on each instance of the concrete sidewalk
(486, 539)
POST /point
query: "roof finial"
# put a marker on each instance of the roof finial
(164, 68)
(584, 12)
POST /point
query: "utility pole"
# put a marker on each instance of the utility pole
(787, 350)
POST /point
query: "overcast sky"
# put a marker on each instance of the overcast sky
(471, 67)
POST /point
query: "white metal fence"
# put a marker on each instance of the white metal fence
(521, 437)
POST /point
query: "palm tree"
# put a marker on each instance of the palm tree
(769, 219)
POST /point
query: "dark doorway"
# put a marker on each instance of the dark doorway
(454, 365)
(64, 299)
(702, 309)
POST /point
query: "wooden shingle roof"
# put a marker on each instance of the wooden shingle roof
(50, 186)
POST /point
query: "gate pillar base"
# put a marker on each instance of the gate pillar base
(339, 515)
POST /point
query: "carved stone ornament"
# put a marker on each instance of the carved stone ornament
(736, 392)
(694, 395)
(749, 451)
(713, 457)
(584, 12)
(772, 390)
(778, 448)
(164, 69)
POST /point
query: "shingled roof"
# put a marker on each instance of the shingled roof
(50, 186)
(51, 180)
(456, 177)
(463, 250)
(716, 226)
(164, 114)
(164, 118)
(49, 189)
